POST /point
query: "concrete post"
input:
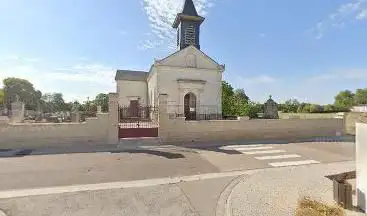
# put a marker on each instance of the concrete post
(113, 118)
(361, 165)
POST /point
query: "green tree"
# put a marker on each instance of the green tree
(314, 108)
(14, 87)
(344, 100)
(58, 102)
(290, 106)
(102, 100)
(227, 99)
(1, 97)
(306, 108)
(53, 103)
(76, 106)
(301, 107)
(329, 108)
(90, 108)
(240, 94)
(360, 96)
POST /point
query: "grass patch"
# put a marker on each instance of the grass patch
(309, 207)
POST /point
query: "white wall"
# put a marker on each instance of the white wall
(131, 90)
(167, 84)
(179, 59)
(152, 87)
(361, 164)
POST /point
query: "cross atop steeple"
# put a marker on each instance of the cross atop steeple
(188, 24)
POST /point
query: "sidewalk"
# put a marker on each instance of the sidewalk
(276, 191)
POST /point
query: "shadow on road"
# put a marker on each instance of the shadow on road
(9, 153)
(168, 155)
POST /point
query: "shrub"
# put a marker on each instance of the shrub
(309, 207)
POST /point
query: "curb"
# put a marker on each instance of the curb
(222, 208)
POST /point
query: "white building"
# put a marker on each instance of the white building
(190, 78)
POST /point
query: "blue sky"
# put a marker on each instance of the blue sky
(307, 50)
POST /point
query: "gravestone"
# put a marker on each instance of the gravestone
(99, 109)
(17, 111)
(75, 116)
(270, 109)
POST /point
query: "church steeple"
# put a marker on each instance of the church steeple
(188, 24)
(189, 8)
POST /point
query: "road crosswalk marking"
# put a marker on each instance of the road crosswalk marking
(262, 152)
(276, 157)
(239, 146)
(293, 163)
(254, 148)
(267, 152)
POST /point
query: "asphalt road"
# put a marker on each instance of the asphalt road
(155, 162)
(155, 166)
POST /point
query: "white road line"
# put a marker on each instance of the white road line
(275, 157)
(240, 146)
(263, 152)
(254, 148)
(293, 163)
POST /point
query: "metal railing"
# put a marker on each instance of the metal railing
(202, 112)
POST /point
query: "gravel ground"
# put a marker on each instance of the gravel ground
(276, 192)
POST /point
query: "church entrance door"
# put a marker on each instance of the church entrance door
(190, 106)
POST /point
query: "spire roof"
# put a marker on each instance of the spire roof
(189, 8)
(188, 12)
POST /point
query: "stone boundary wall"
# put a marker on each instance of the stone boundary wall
(26, 135)
(181, 131)
(351, 119)
(361, 165)
(177, 130)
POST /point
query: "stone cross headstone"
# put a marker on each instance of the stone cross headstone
(270, 109)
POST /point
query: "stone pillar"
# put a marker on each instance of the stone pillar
(163, 117)
(17, 112)
(113, 118)
(361, 165)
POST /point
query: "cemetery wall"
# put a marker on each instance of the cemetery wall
(351, 119)
(306, 115)
(23, 135)
(361, 165)
(177, 130)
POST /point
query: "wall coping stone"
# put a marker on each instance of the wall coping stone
(45, 124)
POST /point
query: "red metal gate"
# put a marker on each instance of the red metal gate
(138, 121)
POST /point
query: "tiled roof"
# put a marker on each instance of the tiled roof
(131, 75)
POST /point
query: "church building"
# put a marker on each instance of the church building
(190, 78)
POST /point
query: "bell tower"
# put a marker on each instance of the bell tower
(188, 24)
